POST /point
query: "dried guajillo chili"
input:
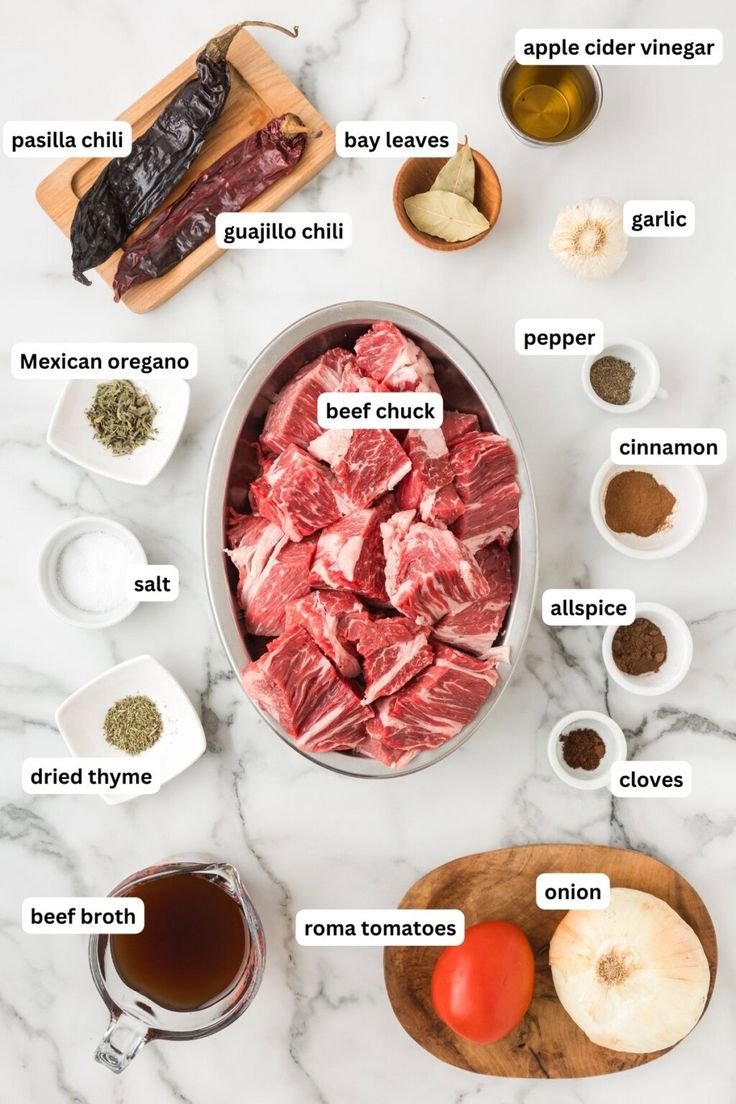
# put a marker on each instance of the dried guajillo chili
(129, 188)
(228, 184)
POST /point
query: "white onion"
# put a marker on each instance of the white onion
(634, 976)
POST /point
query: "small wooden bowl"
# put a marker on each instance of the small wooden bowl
(418, 174)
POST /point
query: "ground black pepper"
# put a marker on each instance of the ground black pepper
(583, 748)
(611, 379)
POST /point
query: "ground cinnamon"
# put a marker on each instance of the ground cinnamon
(639, 648)
(636, 503)
(583, 748)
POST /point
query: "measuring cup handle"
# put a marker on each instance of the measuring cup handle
(121, 1042)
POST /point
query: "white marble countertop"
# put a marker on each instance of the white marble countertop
(322, 1031)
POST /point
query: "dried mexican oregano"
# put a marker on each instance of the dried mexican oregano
(121, 416)
(133, 724)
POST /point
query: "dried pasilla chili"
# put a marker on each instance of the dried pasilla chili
(228, 184)
(129, 188)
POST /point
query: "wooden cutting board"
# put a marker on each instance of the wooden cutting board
(259, 91)
(500, 885)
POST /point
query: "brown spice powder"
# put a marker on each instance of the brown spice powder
(636, 503)
(639, 648)
(583, 748)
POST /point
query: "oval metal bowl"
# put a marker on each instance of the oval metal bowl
(465, 386)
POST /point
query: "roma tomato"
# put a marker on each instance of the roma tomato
(482, 988)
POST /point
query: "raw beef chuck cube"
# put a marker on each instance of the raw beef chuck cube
(428, 486)
(292, 418)
(429, 573)
(331, 446)
(273, 571)
(480, 461)
(237, 527)
(476, 627)
(393, 651)
(373, 748)
(350, 553)
(442, 507)
(354, 380)
(455, 424)
(437, 704)
(367, 462)
(430, 466)
(387, 355)
(298, 686)
(297, 493)
(485, 478)
(332, 619)
(256, 539)
(494, 517)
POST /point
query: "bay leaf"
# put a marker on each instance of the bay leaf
(458, 174)
(445, 215)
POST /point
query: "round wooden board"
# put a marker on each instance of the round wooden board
(500, 885)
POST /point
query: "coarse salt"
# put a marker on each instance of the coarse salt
(91, 571)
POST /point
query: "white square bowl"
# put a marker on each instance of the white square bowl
(70, 434)
(80, 720)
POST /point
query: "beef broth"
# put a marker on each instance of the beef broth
(192, 948)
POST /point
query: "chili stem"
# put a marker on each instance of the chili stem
(289, 129)
(217, 48)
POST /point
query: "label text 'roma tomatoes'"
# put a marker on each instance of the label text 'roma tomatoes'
(483, 988)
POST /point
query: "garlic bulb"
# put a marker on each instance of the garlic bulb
(589, 240)
(634, 976)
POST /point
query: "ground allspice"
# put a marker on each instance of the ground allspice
(583, 748)
(639, 648)
(636, 503)
(611, 379)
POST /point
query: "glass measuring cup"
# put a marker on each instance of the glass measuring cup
(135, 1019)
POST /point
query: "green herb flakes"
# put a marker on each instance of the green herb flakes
(121, 417)
(133, 724)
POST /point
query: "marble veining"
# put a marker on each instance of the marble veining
(321, 1030)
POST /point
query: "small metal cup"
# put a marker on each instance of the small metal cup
(549, 91)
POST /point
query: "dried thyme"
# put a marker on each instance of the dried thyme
(121, 417)
(133, 724)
